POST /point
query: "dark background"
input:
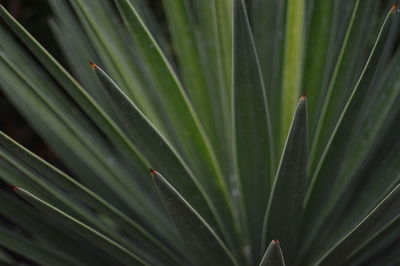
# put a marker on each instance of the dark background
(33, 14)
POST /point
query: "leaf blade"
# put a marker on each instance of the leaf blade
(33, 250)
(108, 245)
(194, 144)
(253, 149)
(293, 61)
(342, 249)
(285, 207)
(157, 149)
(201, 240)
(273, 255)
(46, 172)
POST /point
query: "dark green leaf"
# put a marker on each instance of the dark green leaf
(6, 258)
(253, 135)
(154, 146)
(201, 42)
(329, 181)
(41, 170)
(34, 250)
(205, 247)
(382, 240)
(268, 28)
(42, 230)
(273, 255)
(192, 142)
(113, 248)
(339, 252)
(285, 206)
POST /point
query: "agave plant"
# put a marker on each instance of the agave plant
(272, 127)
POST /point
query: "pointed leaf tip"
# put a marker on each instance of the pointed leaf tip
(394, 7)
(14, 187)
(303, 97)
(152, 171)
(208, 247)
(93, 65)
(273, 255)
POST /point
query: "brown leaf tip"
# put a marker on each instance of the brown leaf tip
(92, 65)
(276, 241)
(394, 8)
(152, 171)
(15, 188)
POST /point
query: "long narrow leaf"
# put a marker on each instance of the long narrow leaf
(113, 248)
(326, 177)
(44, 232)
(293, 61)
(51, 174)
(153, 145)
(189, 131)
(268, 26)
(341, 250)
(34, 251)
(253, 135)
(74, 89)
(285, 206)
(205, 247)
(197, 36)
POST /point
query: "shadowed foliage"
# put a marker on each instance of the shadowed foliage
(272, 127)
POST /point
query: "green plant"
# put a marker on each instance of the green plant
(212, 107)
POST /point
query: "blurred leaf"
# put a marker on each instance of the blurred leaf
(293, 62)
(268, 28)
(327, 178)
(74, 137)
(5, 258)
(74, 90)
(113, 248)
(101, 23)
(62, 119)
(201, 43)
(34, 250)
(384, 239)
(48, 234)
(339, 252)
(319, 45)
(347, 69)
